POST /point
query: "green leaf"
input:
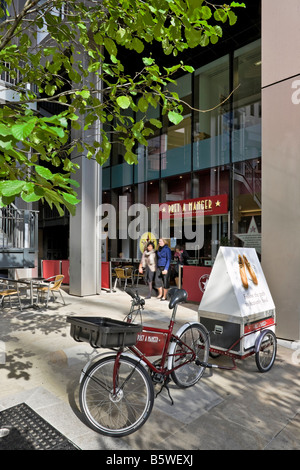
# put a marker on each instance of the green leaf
(22, 131)
(220, 15)
(143, 105)
(73, 182)
(174, 117)
(204, 40)
(188, 68)
(137, 45)
(156, 123)
(6, 144)
(232, 18)
(11, 188)
(44, 172)
(110, 46)
(84, 93)
(50, 89)
(237, 4)
(70, 198)
(206, 12)
(130, 157)
(30, 197)
(123, 102)
(4, 130)
(148, 60)
(56, 131)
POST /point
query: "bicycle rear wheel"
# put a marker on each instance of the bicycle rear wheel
(123, 412)
(192, 348)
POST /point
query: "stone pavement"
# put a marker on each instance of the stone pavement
(40, 365)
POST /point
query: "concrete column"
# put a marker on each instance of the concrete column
(85, 244)
(85, 257)
(281, 160)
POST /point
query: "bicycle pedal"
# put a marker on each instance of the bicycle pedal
(205, 364)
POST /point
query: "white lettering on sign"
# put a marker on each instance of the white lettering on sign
(148, 339)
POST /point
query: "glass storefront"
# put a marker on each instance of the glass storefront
(215, 150)
(246, 147)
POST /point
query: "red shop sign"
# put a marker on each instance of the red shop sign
(210, 205)
(194, 281)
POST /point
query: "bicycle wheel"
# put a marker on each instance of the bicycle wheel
(121, 413)
(193, 346)
(266, 348)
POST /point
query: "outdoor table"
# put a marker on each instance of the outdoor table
(32, 282)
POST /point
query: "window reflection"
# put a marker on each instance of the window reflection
(211, 128)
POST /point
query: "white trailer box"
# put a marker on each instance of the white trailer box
(237, 303)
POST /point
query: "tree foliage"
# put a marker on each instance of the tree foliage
(71, 54)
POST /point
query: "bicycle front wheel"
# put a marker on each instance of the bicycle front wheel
(192, 348)
(120, 410)
(266, 349)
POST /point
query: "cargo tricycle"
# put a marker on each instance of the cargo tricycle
(117, 390)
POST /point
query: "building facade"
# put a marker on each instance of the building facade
(235, 154)
(246, 147)
(209, 154)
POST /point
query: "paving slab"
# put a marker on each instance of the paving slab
(240, 409)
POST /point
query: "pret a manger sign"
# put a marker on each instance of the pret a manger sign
(211, 205)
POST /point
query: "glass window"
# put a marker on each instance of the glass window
(147, 193)
(247, 204)
(148, 167)
(246, 136)
(121, 175)
(211, 128)
(148, 160)
(246, 146)
(211, 182)
(176, 188)
(106, 184)
(176, 139)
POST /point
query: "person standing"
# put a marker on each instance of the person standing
(181, 257)
(148, 262)
(162, 278)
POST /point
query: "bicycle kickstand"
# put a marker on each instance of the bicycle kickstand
(165, 385)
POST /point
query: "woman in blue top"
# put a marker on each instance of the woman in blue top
(162, 278)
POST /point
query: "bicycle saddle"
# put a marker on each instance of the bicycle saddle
(176, 296)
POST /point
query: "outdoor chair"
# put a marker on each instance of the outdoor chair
(9, 290)
(137, 275)
(53, 285)
(123, 275)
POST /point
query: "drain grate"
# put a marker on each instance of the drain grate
(23, 429)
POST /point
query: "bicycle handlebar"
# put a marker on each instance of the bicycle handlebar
(175, 295)
(135, 296)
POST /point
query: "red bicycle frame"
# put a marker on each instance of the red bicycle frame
(142, 351)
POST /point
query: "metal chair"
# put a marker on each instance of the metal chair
(53, 285)
(137, 275)
(123, 275)
(9, 291)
